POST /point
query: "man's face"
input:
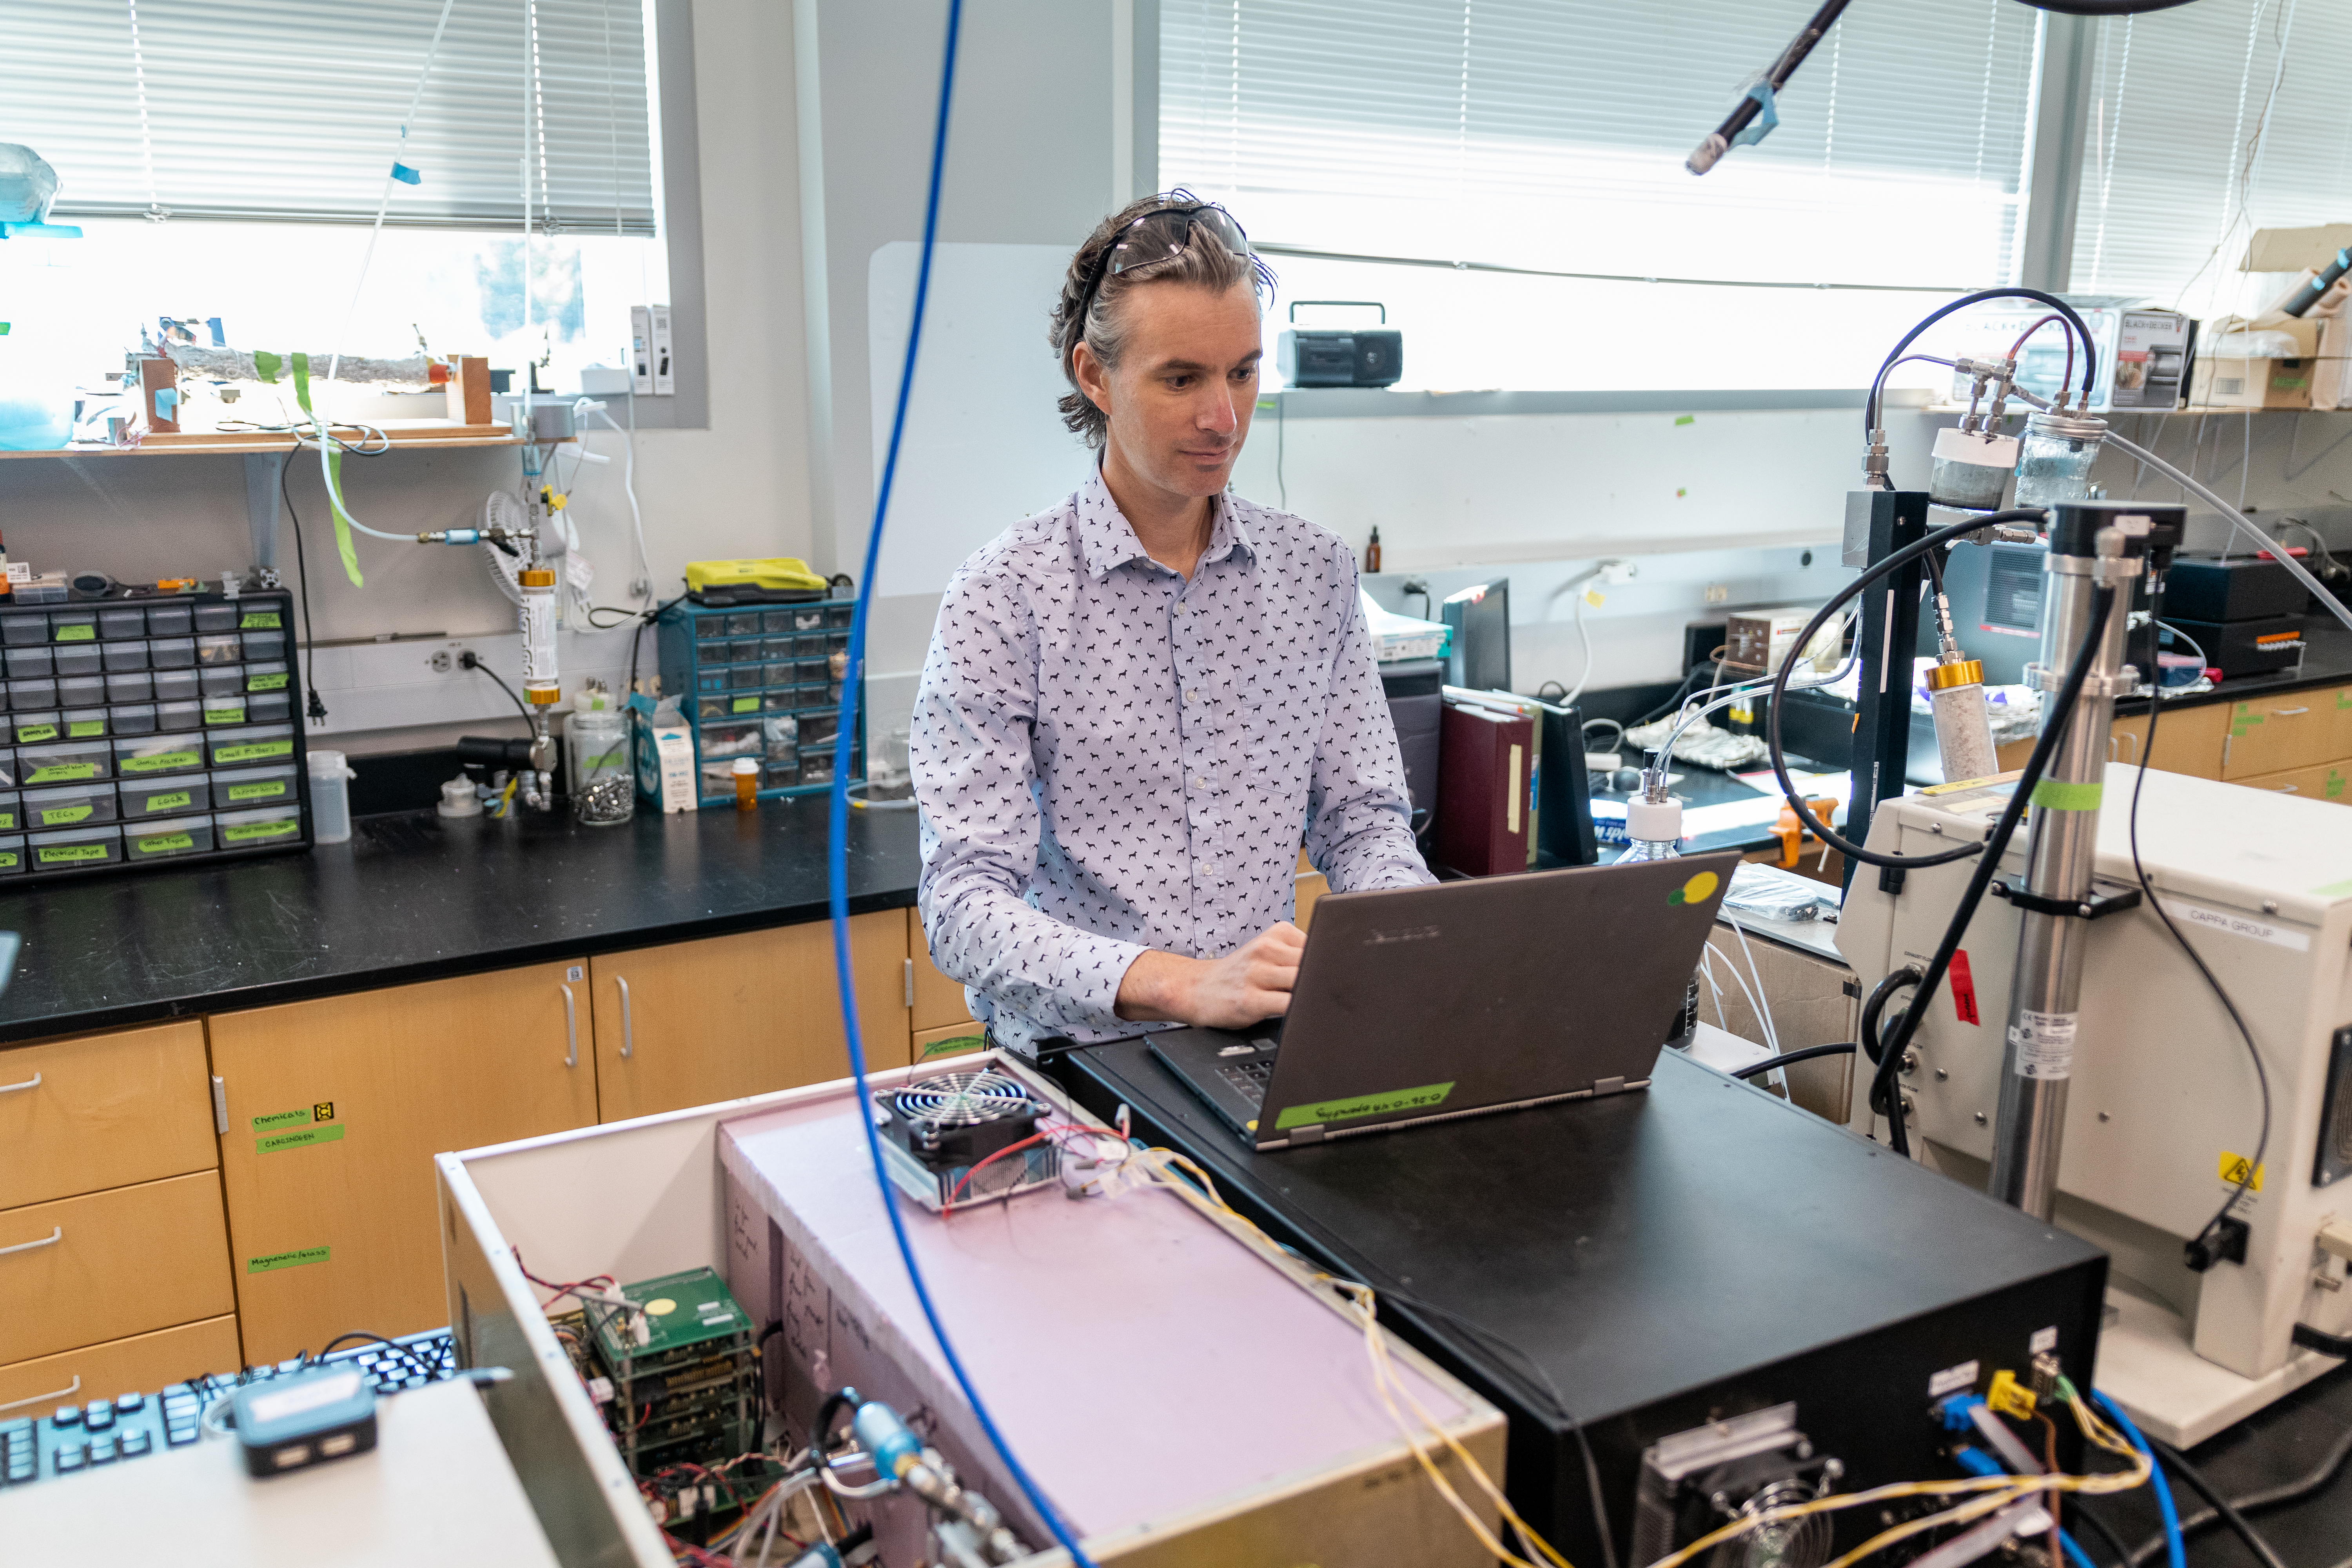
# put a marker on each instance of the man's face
(1181, 399)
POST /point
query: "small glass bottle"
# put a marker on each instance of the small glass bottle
(747, 783)
(1654, 826)
(2055, 458)
(598, 768)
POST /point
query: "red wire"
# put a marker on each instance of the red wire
(2067, 378)
(949, 1208)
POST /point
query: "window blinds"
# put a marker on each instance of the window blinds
(1550, 133)
(2208, 123)
(276, 111)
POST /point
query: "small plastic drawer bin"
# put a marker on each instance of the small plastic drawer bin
(707, 627)
(776, 621)
(136, 687)
(785, 674)
(69, 764)
(119, 625)
(73, 626)
(88, 723)
(160, 840)
(270, 707)
(152, 756)
(779, 774)
(710, 678)
(75, 849)
(82, 658)
(216, 617)
(12, 854)
(176, 717)
(273, 676)
(172, 653)
(744, 677)
(263, 645)
(171, 620)
(220, 647)
(11, 813)
(36, 729)
(134, 717)
(80, 691)
(258, 829)
(124, 655)
(743, 624)
(251, 746)
(220, 679)
(220, 711)
(243, 789)
(69, 807)
(175, 685)
(176, 794)
(809, 620)
(717, 777)
(731, 740)
(264, 618)
(24, 631)
(26, 663)
(35, 693)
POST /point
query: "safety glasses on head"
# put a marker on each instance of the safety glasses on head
(1162, 235)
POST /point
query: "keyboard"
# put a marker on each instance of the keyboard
(1249, 1079)
(110, 1431)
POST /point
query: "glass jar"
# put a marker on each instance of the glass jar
(597, 763)
(2055, 458)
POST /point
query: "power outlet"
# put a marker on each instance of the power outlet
(1718, 593)
(443, 662)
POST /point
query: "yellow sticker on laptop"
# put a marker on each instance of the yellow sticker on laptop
(1696, 890)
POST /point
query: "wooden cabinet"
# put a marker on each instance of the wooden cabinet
(695, 1022)
(335, 1110)
(86, 1269)
(2272, 734)
(140, 1363)
(103, 1111)
(936, 1000)
(2326, 780)
(2188, 740)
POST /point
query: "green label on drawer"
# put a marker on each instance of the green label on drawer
(301, 1139)
(77, 634)
(58, 816)
(266, 682)
(29, 735)
(294, 1260)
(253, 751)
(7, 818)
(162, 843)
(747, 705)
(171, 802)
(84, 728)
(268, 789)
(260, 620)
(61, 773)
(159, 762)
(10, 860)
(247, 832)
(234, 715)
(65, 854)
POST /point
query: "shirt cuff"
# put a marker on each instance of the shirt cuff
(1104, 961)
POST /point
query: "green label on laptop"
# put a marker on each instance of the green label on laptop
(1361, 1106)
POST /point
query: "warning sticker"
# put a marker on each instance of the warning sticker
(2044, 1044)
(2233, 1171)
(1963, 986)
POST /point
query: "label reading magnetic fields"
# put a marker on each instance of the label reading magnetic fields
(294, 1260)
(2044, 1044)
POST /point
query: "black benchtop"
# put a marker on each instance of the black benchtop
(417, 896)
(2326, 661)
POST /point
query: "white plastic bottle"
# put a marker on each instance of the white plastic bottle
(331, 800)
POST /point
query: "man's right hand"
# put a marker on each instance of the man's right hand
(1251, 983)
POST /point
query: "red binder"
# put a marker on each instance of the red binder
(1483, 790)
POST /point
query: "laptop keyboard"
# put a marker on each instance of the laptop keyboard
(1249, 1079)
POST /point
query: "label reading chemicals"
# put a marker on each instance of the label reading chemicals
(294, 1260)
(55, 815)
(171, 802)
(164, 843)
(247, 832)
(276, 683)
(1361, 1106)
(260, 620)
(324, 1110)
(269, 790)
(66, 853)
(2044, 1042)
(300, 1137)
(254, 751)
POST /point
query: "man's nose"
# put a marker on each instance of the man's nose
(1218, 413)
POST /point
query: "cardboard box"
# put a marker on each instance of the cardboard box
(2234, 382)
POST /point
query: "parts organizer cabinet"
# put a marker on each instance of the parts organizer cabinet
(764, 681)
(116, 1273)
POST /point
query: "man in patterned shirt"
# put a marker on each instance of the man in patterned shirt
(1137, 702)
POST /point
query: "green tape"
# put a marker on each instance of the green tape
(247, 832)
(226, 715)
(77, 634)
(62, 772)
(1686, 419)
(266, 682)
(68, 853)
(64, 815)
(343, 545)
(163, 761)
(2051, 796)
(294, 1260)
(948, 1048)
(157, 804)
(27, 734)
(260, 620)
(266, 365)
(300, 1138)
(86, 729)
(2334, 891)
(164, 843)
(1361, 1106)
(302, 380)
(254, 751)
(269, 789)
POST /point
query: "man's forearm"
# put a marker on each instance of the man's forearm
(1156, 988)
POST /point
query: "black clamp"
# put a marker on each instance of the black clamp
(2090, 907)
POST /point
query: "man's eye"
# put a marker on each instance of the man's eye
(1179, 383)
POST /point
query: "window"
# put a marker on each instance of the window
(2206, 123)
(227, 158)
(1549, 135)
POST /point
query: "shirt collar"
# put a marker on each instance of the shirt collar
(1109, 540)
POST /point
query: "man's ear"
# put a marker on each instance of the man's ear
(1094, 376)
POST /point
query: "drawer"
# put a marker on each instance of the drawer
(104, 1110)
(122, 1262)
(2272, 734)
(2188, 740)
(937, 1000)
(2327, 781)
(954, 1040)
(140, 1364)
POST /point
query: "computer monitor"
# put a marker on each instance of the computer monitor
(1480, 656)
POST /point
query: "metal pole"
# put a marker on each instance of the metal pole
(2090, 546)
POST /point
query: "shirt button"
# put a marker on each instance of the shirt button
(1200, 784)
(1192, 696)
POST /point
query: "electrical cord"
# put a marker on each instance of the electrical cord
(1790, 1059)
(1895, 561)
(1872, 1041)
(2222, 1506)
(2057, 718)
(2175, 1551)
(2295, 1491)
(2202, 1249)
(315, 709)
(2311, 1339)
(472, 660)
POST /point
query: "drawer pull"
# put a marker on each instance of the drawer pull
(32, 1082)
(570, 1029)
(2287, 712)
(2290, 789)
(628, 1030)
(56, 1234)
(67, 1392)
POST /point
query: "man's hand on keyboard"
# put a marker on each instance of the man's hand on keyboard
(1231, 993)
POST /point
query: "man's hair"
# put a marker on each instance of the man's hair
(1204, 263)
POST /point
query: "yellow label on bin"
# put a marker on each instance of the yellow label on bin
(86, 729)
(268, 789)
(58, 816)
(10, 860)
(7, 818)
(747, 705)
(254, 751)
(246, 832)
(260, 620)
(273, 682)
(65, 854)
(77, 634)
(171, 802)
(61, 773)
(164, 843)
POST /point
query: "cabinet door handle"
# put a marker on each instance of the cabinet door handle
(32, 1082)
(2290, 789)
(2287, 712)
(67, 1392)
(570, 1029)
(56, 1234)
(628, 1028)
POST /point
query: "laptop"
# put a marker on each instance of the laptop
(1427, 1004)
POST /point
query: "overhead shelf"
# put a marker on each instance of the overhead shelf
(402, 433)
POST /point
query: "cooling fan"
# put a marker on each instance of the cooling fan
(1692, 1483)
(940, 1135)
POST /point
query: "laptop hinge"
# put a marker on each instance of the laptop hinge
(1307, 1134)
(1608, 1086)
